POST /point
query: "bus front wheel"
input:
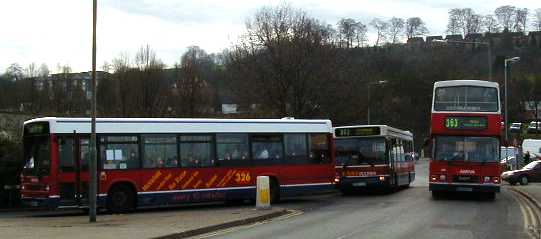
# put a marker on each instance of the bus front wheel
(121, 199)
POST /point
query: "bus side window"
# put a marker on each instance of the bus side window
(160, 151)
(196, 151)
(119, 152)
(296, 148)
(232, 149)
(319, 149)
(267, 149)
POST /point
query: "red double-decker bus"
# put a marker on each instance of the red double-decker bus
(373, 156)
(465, 137)
(153, 162)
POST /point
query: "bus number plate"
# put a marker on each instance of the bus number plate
(359, 184)
(463, 189)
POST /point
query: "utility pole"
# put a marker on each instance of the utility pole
(93, 169)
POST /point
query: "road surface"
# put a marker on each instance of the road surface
(409, 213)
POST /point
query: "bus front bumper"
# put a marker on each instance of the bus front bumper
(464, 187)
(40, 202)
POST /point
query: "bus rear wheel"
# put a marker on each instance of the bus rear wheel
(121, 199)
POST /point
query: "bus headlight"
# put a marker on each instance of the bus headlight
(495, 180)
(443, 177)
(47, 188)
(381, 178)
(487, 179)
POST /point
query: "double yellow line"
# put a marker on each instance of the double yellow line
(531, 210)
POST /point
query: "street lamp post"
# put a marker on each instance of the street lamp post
(510, 60)
(489, 52)
(381, 82)
(93, 187)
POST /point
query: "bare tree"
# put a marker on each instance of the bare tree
(360, 34)
(192, 92)
(347, 28)
(415, 27)
(490, 24)
(505, 15)
(14, 72)
(381, 28)
(464, 21)
(537, 20)
(475, 23)
(454, 24)
(286, 63)
(396, 29)
(150, 83)
(521, 18)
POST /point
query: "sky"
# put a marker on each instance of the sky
(59, 32)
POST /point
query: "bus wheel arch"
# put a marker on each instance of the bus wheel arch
(121, 197)
(274, 189)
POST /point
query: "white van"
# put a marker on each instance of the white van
(533, 146)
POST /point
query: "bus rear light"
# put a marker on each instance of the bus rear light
(47, 188)
(23, 187)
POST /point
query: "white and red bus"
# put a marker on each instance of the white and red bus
(373, 156)
(465, 137)
(152, 162)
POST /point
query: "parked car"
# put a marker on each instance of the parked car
(534, 127)
(529, 173)
(515, 128)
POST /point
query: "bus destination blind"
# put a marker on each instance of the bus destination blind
(461, 122)
(351, 132)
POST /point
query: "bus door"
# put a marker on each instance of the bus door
(82, 157)
(72, 171)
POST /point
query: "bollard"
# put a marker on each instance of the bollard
(263, 193)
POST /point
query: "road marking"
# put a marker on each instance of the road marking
(530, 215)
(290, 214)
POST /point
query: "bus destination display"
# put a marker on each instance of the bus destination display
(36, 129)
(351, 132)
(456, 122)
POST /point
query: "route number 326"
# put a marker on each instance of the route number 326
(242, 177)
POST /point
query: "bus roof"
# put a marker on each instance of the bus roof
(185, 125)
(465, 83)
(384, 130)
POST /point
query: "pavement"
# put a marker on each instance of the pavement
(178, 222)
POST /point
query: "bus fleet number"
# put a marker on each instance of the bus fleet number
(242, 177)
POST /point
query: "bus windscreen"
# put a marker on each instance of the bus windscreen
(37, 156)
(358, 151)
(466, 99)
(473, 149)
